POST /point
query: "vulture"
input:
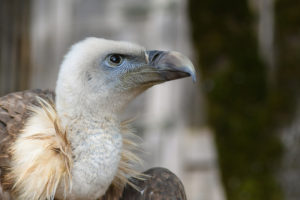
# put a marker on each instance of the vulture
(71, 144)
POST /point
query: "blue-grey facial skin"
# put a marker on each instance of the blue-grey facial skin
(128, 73)
(129, 64)
(144, 70)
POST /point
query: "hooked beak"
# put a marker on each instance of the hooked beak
(171, 65)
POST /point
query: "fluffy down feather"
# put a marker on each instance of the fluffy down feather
(41, 156)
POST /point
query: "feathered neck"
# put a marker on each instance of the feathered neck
(89, 105)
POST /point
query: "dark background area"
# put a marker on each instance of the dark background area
(247, 103)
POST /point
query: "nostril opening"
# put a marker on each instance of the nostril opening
(156, 56)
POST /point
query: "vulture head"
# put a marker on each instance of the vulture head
(102, 76)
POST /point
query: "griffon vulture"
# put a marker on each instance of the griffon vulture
(71, 144)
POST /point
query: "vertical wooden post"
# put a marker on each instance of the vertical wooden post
(15, 45)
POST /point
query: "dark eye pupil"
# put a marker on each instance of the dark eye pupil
(115, 58)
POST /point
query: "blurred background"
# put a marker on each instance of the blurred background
(235, 134)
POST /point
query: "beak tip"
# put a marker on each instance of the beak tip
(194, 78)
(190, 69)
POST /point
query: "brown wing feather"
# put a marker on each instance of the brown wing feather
(162, 185)
(13, 114)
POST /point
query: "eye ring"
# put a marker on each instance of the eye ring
(115, 59)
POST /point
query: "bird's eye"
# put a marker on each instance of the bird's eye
(115, 59)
